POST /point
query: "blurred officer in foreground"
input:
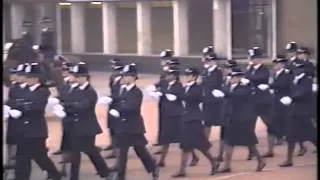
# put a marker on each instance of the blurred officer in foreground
(303, 53)
(239, 116)
(300, 127)
(258, 75)
(81, 112)
(15, 93)
(114, 86)
(280, 87)
(192, 134)
(130, 128)
(34, 132)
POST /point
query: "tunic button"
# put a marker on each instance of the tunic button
(76, 120)
(123, 119)
(26, 122)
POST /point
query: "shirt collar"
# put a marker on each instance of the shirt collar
(66, 79)
(279, 71)
(293, 58)
(14, 82)
(172, 82)
(212, 68)
(129, 87)
(84, 86)
(300, 76)
(23, 85)
(257, 66)
(116, 79)
(34, 87)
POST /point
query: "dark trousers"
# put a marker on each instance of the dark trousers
(33, 149)
(86, 144)
(142, 153)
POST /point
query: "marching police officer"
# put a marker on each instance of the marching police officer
(280, 87)
(130, 128)
(291, 49)
(114, 85)
(303, 53)
(30, 112)
(212, 78)
(239, 116)
(192, 134)
(170, 110)
(81, 112)
(14, 126)
(299, 128)
(258, 75)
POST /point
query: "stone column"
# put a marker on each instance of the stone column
(222, 30)
(144, 30)
(77, 27)
(58, 29)
(181, 27)
(17, 17)
(109, 26)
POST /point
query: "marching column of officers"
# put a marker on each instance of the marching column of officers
(226, 96)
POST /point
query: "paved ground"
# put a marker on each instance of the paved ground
(305, 167)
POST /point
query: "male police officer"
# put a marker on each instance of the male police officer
(130, 130)
(34, 131)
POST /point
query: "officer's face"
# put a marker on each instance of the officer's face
(226, 71)
(32, 80)
(302, 56)
(235, 79)
(127, 79)
(170, 77)
(72, 78)
(65, 73)
(278, 66)
(80, 79)
(291, 54)
(255, 61)
(189, 78)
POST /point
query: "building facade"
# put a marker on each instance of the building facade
(186, 26)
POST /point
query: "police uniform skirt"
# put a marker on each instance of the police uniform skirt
(192, 136)
(66, 137)
(12, 136)
(300, 128)
(127, 140)
(212, 115)
(278, 119)
(169, 130)
(240, 133)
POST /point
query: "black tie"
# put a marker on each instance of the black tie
(123, 90)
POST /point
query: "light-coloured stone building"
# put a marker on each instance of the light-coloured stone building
(186, 26)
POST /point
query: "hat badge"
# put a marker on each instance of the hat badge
(251, 52)
(163, 53)
(20, 67)
(288, 46)
(28, 69)
(75, 69)
(126, 68)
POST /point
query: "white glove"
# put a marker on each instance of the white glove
(114, 113)
(58, 107)
(263, 87)
(6, 110)
(15, 113)
(286, 100)
(53, 101)
(105, 100)
(217, 93)
(314, 87)
(155, 94)
(271, 91)
(60, 113)
(171, 97)
(245, 81)
(151, 88)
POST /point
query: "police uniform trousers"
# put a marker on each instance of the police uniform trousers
(66, 137)
(169, 132)
(138, 142)
(240, 133)
(192, 136)
(300, 128)
(112, 123)
(86, 144)
(33, 149)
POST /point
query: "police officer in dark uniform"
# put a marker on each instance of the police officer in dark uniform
(258, 75)
(192, 134)
(291, 49)
(280, 87)
(85, 127)
(299, 128)
(114, 85)
(239, 115)
(14, 126)
(130, 128)
(170, 110)
(30, 111)
(212, 78)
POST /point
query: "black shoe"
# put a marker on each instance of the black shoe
(268, 155)
(220, 158)
(161, 164)
(225, 170)
(179, 175)
(250, 157)
(214, 168)
(58, 152)
(110, 156)
(302, 151)
(260, 166)
(110, 147)
(286, 164)
(194, 162)
(155, 173)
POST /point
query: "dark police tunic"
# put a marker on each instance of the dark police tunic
(14, 125)
(171, 112)
(114, 85)
(192, 131)
(300, 125)
(262, 99)
(212, 106)
(281, 88)
(239, 114)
